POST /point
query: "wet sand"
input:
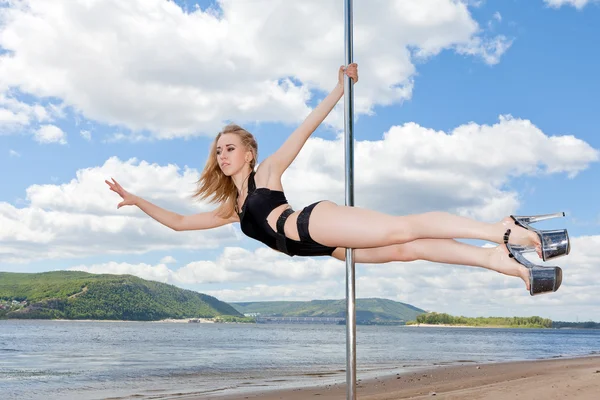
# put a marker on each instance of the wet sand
(570, 378)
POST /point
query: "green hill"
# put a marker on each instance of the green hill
(376, 311)
(80, 295)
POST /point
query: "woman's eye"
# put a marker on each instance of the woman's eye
(230, 149)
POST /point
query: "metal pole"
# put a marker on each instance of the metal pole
(349, 159)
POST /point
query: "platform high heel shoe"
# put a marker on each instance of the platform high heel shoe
(541, 279)
(555, 243)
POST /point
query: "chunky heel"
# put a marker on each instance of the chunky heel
(544, 279)
(541, 279)
(555, 243)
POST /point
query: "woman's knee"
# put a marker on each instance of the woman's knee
(402, 230)
(405, 252)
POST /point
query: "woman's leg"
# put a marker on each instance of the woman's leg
(358, 228)
(446, 251)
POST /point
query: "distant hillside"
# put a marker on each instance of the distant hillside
(367, 310)
(80, 295)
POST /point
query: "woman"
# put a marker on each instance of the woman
(256, 200)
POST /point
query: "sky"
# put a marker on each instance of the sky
(479, 108)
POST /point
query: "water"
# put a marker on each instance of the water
(96, 360)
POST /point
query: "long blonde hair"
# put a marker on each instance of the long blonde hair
(217, 186)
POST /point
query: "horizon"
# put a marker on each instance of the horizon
(479, 108)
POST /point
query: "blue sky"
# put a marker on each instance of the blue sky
(137, 91)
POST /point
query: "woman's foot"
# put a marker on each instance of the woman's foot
(519, 235)
(501, 262)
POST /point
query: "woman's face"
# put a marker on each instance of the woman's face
(231, 153)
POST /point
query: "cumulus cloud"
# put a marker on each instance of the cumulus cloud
(235, 264)
(50, 134)
(154, 69)
(87, 135)
(15, 114)
(168, 260)
(80, 218)
(14, 153)
(578, 4)
(490, 50)
(411, 169)
(87, 193)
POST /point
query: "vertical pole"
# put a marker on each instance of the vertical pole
(349, 160)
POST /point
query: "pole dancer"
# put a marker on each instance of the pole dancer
(253, 196)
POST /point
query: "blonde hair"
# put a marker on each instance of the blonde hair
(217, 186)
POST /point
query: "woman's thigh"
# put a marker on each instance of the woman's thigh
(358, 228)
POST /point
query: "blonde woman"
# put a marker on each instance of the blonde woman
(254, 198)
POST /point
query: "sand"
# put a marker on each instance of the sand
(563, 378)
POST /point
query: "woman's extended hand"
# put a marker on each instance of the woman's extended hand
(128, 198)
(351, 71)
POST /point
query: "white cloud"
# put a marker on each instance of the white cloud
(80, 218)
(87, 135)
(168, 260)
(154, 69)
(498, 16)
(14, 153)
(50, 134)
(9, 117)
(266, 275)
(87, 192)
(491, 51)
(15, 114)
(234, 265)
(474, 3)
(578, 4)
(286, 291)
(127, 137)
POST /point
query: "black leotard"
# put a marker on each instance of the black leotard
(253, 220)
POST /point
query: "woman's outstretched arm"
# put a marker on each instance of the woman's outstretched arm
(283, 157)
(170, 219)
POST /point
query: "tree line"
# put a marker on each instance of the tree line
(512, 322)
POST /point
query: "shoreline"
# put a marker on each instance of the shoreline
(449, 326)
(167, 320)
(473, 326)
(564, 377)
(212, 321)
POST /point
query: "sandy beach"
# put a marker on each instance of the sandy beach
(570, 378)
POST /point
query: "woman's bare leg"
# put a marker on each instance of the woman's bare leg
(446, 251)
(358, 228)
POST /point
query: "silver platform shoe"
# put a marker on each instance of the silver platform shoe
(541, 279)
(555, 243)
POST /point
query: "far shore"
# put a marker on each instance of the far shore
(455, 326)
(212, 321)
(168, 320)
(188, 320)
